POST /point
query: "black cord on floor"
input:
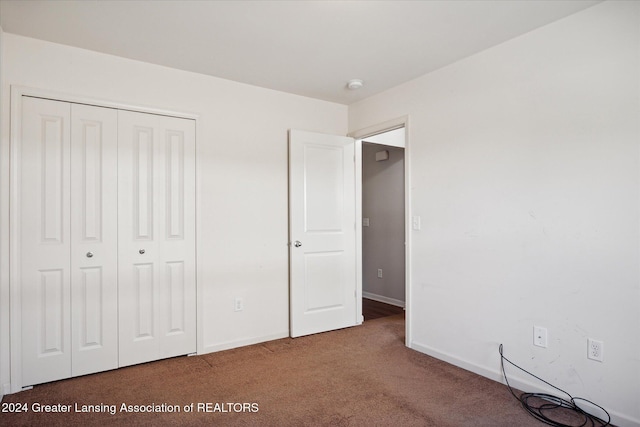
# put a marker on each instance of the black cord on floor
(542, 411)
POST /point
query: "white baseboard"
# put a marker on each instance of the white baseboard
(618, 419)
(228, 345)
(382, 298)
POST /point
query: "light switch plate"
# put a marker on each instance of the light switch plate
(416, 223)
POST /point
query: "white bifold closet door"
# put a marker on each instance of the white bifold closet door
(68, 247)
(106, 241)
(156, 249)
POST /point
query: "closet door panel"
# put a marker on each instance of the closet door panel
(44, 267)
(94, 231)
(138, 267)
(177, 241)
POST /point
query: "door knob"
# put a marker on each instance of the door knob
(297, 243)
(141, 251)
(89, 254)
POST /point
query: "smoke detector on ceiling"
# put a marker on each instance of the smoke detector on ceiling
(354, 84)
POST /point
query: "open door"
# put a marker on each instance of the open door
(322, 232)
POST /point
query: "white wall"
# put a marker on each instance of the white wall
(525, 171)
(4, 241)
(383, 240)
(242, 173)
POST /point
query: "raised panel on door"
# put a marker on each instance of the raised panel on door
(322, 230)
(44, 223)
(156, 237)
(94, 244)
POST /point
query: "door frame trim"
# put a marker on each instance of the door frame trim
(359, 135)
(15, 113)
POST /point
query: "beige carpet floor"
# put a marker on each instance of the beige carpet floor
(361, 376)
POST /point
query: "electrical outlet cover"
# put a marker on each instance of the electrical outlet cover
(595, 349)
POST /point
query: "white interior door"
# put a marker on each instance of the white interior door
(94, 234)
(322, 219)
(156, 192)
(45, 244)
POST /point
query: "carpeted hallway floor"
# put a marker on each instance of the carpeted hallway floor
(361, 376)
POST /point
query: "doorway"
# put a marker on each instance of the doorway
(350, 293)
(383, 224)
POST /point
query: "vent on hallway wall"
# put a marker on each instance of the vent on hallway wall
(381, 156)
